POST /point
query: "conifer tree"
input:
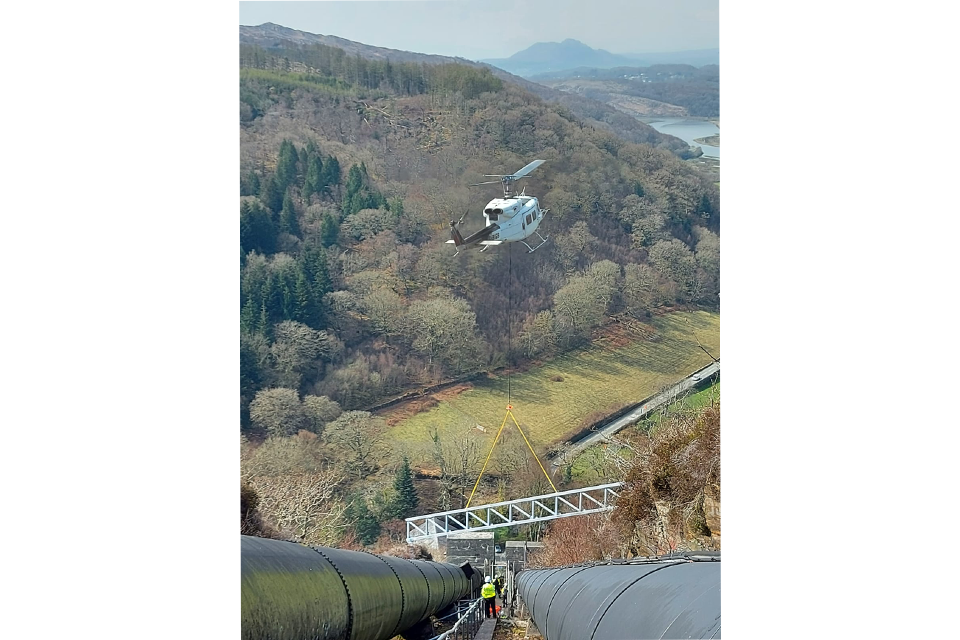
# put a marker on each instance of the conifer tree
(313, 263)
(365, 523)
(272, 195)
(405, 499)
(329, 230)
(250, 316)
(287, 165)
(263, 326)
(354, 182)
(307, 311)
(257, 232)
(313, 182)
(288, 217)
(331, 173)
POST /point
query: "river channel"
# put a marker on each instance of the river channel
(688, 131)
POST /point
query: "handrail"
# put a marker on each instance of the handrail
(445, 634)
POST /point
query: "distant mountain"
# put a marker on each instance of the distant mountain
(544, 57)
(554, 56)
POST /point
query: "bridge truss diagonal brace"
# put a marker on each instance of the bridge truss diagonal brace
(551, 506)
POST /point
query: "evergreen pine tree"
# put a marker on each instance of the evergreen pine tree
(365, 523)
(354, 179)
(287, 165)
(313, 182)
(250, 316)
(331, 173)
(288, 217)
(395, 205)
(313, 263)
(288, 297)
(257, 232)
(272, 195)
(263, 325)
(329, 230)
(307, 311)
(405, 499)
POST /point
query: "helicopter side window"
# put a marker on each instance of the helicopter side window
(528, 218)
(535, 212)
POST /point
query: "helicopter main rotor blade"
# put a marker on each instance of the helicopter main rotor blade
(527, 169)
(490, 182)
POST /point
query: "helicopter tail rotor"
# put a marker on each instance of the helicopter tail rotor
(455, 234)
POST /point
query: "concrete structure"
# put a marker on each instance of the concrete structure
(475, 547)
(515, 552)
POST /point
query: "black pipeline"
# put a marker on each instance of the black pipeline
(293, 592)
(676, 597)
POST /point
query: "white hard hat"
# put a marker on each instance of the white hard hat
(487, 579)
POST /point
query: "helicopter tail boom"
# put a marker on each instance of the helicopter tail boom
(482, 234)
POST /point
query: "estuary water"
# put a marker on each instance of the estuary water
(688, 131)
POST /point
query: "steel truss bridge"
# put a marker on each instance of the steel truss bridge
(550, 506)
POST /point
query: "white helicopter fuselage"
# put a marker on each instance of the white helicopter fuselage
(512, 218)
(517, 216)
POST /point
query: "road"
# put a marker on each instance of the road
(649, 406)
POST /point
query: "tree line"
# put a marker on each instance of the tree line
(328, 64)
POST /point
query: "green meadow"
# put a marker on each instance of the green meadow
(595, 381)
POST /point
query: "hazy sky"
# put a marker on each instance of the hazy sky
(477, 29)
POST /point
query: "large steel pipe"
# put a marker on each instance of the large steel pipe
(652, 598)
(292, 592)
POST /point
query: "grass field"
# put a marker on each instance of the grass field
(596, 381)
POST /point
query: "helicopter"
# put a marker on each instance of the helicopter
(513, 218)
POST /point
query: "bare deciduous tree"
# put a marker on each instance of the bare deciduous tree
(459, 457)
(358, 435)
(304, 505)
(580, 539)
(445, 330)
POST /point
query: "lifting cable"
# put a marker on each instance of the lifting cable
(509, 413)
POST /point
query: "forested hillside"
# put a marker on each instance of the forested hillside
(350, 171)
(299, 47)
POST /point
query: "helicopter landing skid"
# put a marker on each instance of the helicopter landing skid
(543, 241)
